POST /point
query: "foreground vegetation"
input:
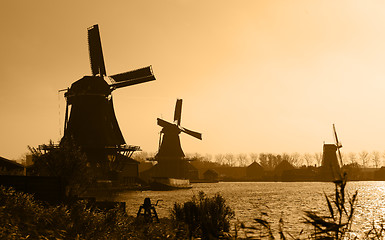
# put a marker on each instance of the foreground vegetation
(22, 217)
(202, 217)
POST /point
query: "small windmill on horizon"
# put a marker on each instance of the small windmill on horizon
(332, 160)
(169, 140)
(170, 157)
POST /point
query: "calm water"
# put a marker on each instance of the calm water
(286, 199)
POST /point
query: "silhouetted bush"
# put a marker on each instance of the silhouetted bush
(66, 161)
(205, 217)
(22, 217)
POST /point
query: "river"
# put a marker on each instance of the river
(288, 200)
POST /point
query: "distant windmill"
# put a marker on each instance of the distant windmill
(92, 122)
(331, 162)
(169, 141)
(171, 161)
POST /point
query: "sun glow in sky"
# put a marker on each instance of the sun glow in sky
(254, 76)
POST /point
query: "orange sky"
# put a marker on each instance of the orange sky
(256, 76)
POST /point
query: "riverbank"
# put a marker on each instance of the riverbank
(23, 216)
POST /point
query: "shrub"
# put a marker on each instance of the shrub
(205, 217)
(66, 161)
(22, 217)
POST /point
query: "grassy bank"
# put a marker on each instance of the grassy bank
(22, 217)
(202, 217)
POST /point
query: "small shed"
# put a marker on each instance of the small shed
(254, 171)
(211, 175)
(281, 167)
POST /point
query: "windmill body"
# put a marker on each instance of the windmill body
(170, 147)
(331, 166)
(92, 123)
(170, 157)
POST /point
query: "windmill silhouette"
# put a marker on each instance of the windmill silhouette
(169, 141)
(170, 157)
(92, 123)
(332, 160)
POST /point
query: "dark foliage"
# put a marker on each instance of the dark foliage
(22, 217)
(338, 223)
(66, 161)
(208, 218)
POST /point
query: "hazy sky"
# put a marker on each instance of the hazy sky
(254, 76)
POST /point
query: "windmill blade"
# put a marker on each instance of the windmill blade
(191, 133)
(134, 74)
(164, 123)
(340, 156)
(132, 82)
(95, 51)
(178, 111)
(338, 144)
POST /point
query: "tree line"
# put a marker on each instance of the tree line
(365, 159)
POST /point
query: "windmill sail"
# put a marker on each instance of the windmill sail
(192, 133)
(132, 82)
(96, 52)
(178, 111)
(338, 145)
(165, 124)
(135, 74)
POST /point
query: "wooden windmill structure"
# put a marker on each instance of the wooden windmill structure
(90, 117)
(170, 157)
(332, 160)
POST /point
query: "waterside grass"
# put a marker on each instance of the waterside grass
(202, 217)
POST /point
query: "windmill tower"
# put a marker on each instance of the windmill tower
(332, 160)
(170, 157)
(90, 117)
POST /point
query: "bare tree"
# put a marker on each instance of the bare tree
(364, 158)
(208, 157)
(293, 158)
(229, 157)
(264, 160)
(242, 159)
(376, 158)
(318, 158)
(352, 157)
(253, 157)
(308, 159)
(296, 159)
(220, 158)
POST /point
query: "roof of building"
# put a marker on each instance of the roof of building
(284, 165)
(10, 164)
(255, 165)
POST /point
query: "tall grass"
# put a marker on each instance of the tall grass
(205, 217)
(22, 217)
(336, 224)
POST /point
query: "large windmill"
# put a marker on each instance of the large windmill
(170, 157)
(90, 118)
(332, 160)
